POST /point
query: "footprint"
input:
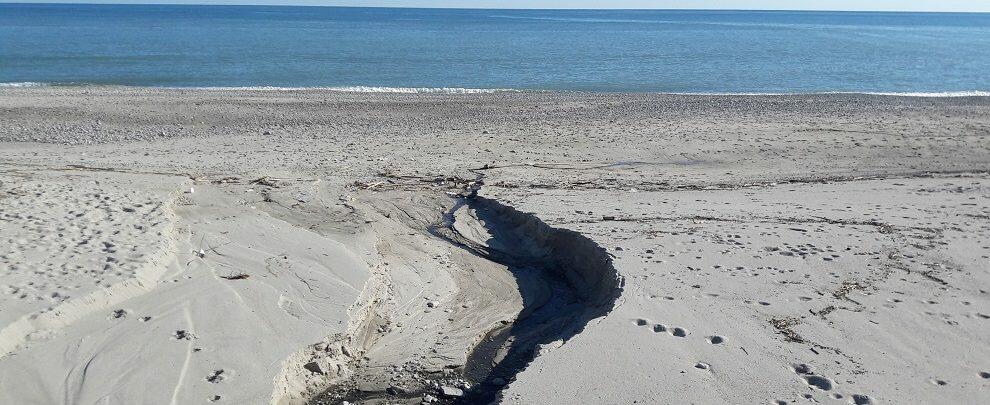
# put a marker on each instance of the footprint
(861, 399)
(642, 322)
(659, 328)
(803, 369)
(984, 374)
(679, 332)
(939, 382)
(819, 382)
(715, 339)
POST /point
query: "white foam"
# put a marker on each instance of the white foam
(23, 84)
(972, 93)
(370, 89)
(443, 90)
(464, 90)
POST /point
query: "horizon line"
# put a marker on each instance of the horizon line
(110, 3)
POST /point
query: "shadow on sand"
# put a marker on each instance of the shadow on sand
(564, 278)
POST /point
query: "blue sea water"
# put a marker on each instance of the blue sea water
(595, 50)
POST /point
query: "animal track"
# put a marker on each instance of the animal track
(678, 332)
(716, 339)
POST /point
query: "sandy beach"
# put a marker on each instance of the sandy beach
(185, 246)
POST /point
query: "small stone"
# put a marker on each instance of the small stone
(449, 391)
(314, 367)
(432, 304)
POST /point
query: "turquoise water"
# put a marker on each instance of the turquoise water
(628, 50)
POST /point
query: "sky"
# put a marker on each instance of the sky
(851, 5)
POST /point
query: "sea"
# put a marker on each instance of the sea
(467, 50)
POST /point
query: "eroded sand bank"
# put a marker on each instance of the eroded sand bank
(188, 246)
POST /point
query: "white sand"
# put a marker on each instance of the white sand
(279, 247)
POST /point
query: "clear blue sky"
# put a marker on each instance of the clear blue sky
(882, 5)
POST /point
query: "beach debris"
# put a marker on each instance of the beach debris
(225, 180)
(216, 377)
(266, 181)
(433, 304)
(118, 313)
(240, 276)
(368, 186)
(182, 334)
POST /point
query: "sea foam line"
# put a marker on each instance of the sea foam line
(970, 93)
(23, 84)
(367, 89)
(465, 90)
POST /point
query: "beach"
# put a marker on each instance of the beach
(291, 246)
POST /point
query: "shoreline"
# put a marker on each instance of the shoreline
(470, 90)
